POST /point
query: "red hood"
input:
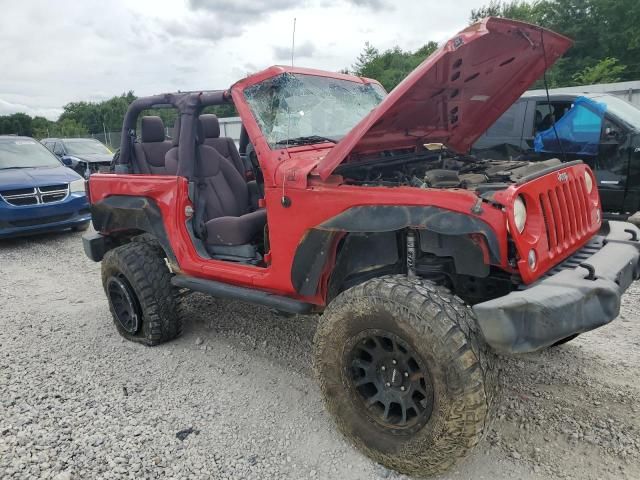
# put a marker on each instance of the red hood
(457, 93)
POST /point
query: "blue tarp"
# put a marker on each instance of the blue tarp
(578, 130)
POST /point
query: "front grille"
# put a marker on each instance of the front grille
(587, 251)
(574, 261)
(566, 214)
(35, 196)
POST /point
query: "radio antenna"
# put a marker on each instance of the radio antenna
(293, 40)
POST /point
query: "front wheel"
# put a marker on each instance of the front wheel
(405, 373)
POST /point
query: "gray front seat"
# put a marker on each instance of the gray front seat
(223, 145)
(228, 219)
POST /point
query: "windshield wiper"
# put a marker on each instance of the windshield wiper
(11, 168)
(309, 139)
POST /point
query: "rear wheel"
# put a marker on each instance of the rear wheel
(142, 300)
(405, 373)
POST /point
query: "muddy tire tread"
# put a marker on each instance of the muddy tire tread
(455, 327)
(144, 266)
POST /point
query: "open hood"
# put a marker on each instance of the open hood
(457, 93)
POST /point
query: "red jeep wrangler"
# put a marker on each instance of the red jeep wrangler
(365, 207)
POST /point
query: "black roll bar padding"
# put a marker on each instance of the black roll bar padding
(189, 105)
(130, 119)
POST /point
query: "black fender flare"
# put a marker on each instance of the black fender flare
(315, 247)
(121, 213)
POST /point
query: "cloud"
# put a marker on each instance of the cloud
(200, 28)
(244, 8)
(7, 108)
(215, 20)
(66, 51)
(372, 4)
(304, 50)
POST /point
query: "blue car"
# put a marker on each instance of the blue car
(37, 192)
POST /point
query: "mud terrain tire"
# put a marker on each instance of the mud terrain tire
(440, 331)
(139, 276)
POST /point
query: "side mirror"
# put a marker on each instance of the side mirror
(66, 160)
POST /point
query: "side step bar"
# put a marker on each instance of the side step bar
(223, 290)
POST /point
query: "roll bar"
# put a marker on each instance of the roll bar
(189, 106)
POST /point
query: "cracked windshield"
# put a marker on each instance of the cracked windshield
(297, 109)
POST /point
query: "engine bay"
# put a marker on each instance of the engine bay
(441, 170)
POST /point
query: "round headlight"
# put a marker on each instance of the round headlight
(520, 213)
(588, 181)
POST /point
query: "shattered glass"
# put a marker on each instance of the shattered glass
(578, 131)
(294, 109)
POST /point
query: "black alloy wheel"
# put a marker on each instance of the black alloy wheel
(125, 303)
(391, 380)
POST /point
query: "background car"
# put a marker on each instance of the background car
(37, 192)
(614, 158)
(84, 155)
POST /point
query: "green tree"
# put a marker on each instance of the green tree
(601, 29)
(68, 128)
(368, 55)
(41, 127)
(606, 70)
(16, 124)
(391, 66)
(531, 12)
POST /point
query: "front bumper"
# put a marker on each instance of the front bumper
(30, 220)
(573, 300)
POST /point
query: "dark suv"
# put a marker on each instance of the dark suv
(84, 155)
(615, 153)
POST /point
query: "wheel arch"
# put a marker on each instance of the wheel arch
(119, 218)
(369, 240)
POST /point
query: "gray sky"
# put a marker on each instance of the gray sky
(55, 52)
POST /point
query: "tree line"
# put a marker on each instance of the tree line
(606, 35)
(607, 49)
(89, 118)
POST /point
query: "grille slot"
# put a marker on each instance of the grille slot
(52, 188)
(35, 196)
(19, 191)
(565, 214)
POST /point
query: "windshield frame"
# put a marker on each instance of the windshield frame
(43, 154)
(376, 93)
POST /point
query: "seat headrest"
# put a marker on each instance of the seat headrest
(151, 129)
(210, 125)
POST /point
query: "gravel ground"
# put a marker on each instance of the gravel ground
(235, 397)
